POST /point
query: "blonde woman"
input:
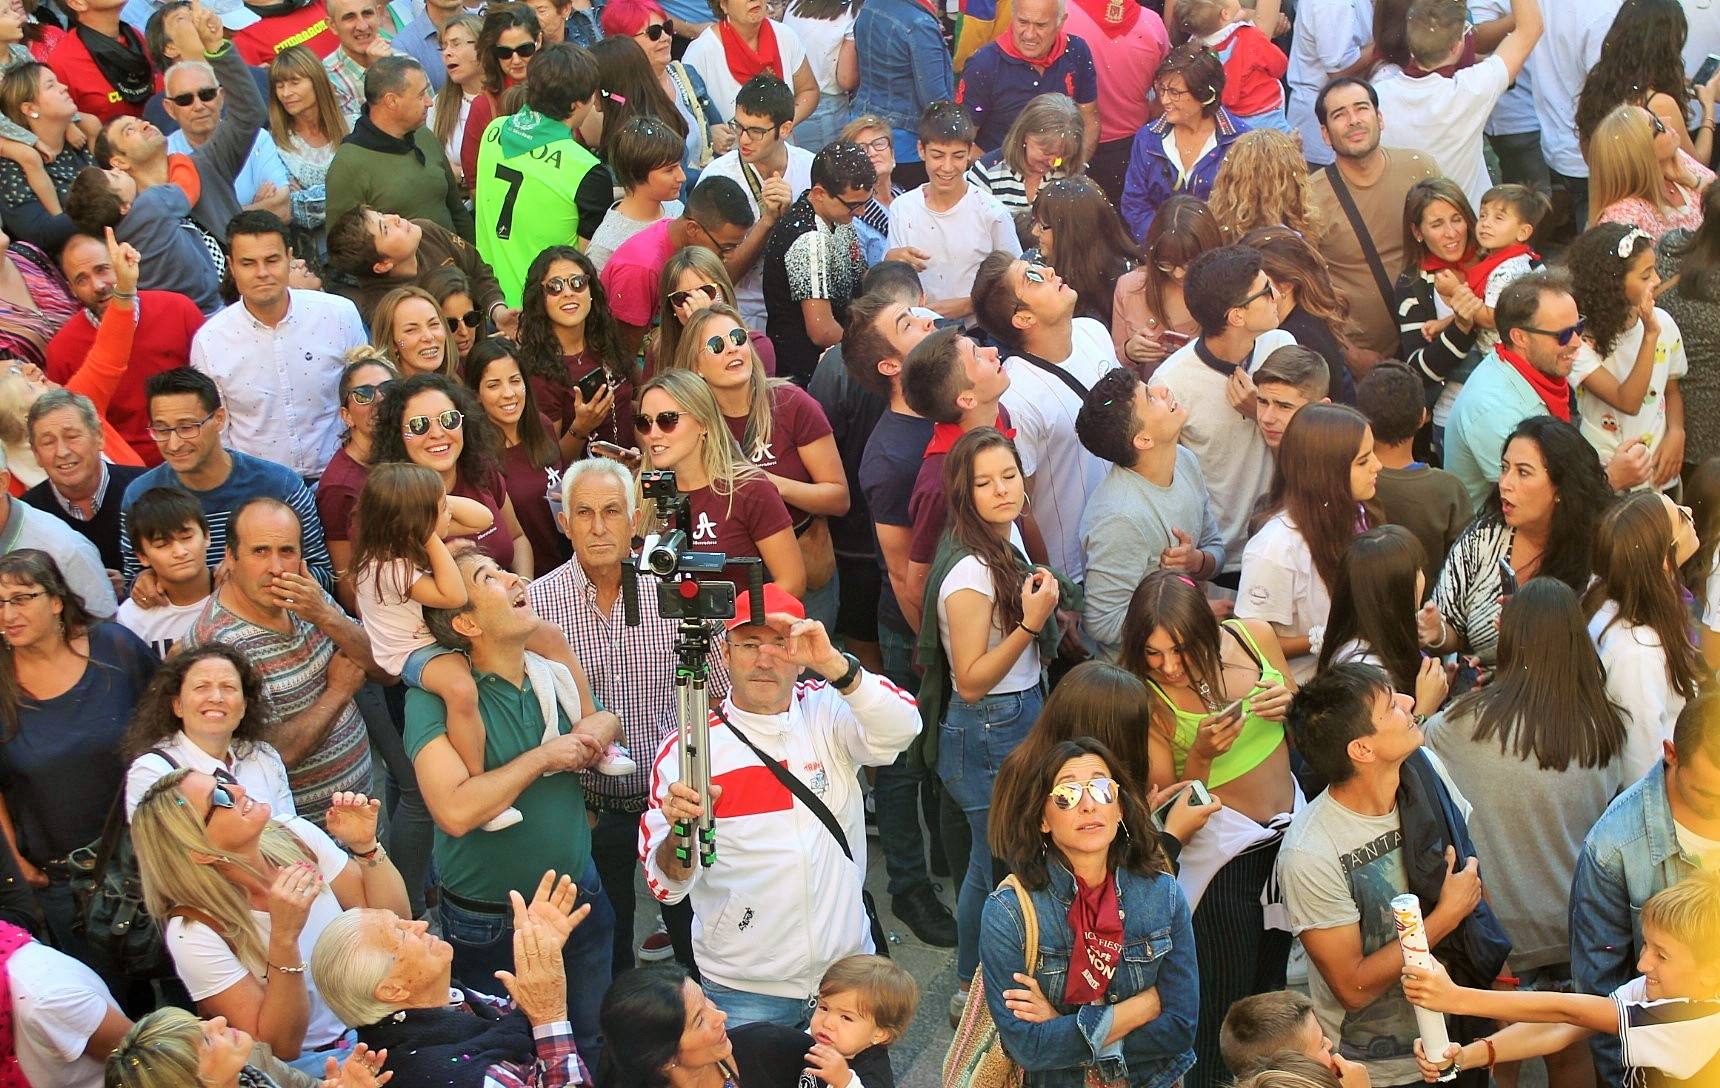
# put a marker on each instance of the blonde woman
(1639, 176)
(244, 897)
(409, 329)
(171, 1048)
(451, 119)
(1262, 182)
(733, 506)
(307, 126)
(1043, 143)
(693, 279)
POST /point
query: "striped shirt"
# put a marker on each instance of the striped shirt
(1468, 591)
(995, 176)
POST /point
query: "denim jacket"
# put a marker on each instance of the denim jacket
(1152, 177)
(904, 66)
(1631, 853)
(1158, 950)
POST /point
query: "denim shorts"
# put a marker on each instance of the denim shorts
(412, 672)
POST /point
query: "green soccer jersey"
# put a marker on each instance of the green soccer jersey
(530, 170)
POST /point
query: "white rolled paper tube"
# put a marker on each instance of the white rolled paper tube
(1412, 938)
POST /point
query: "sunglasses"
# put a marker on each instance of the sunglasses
(1262, 293)
(1035, 273)
(560, 285)
(737, 336)
(1653, 119)
(206, 94)
(220, 797)
(509, 52)
(710, 291)
(369, 392)
(1565, 335)
(418, 426)
(665, 421)
(471, 319)
(1066, 795)
(655, 31)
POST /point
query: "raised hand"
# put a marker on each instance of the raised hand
(362, 1069)
(552, 906)
(351, 820)
(125, 261)
(295, 888)
(538, 982)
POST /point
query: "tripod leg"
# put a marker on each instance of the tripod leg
(700, 707)
(690, 750)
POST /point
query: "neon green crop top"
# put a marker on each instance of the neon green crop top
(1259, 738)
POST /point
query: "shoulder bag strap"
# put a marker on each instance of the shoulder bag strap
(1029, 922)
(115, 826)
(1057, 372)
(801, 791)
(1354, 215)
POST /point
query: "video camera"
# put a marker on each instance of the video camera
(665, 553)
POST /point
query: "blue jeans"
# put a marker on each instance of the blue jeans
(897, 786)
(821, 604)
(745, 1007)
(409, 828)
(824, 126)
(484, 944)
(973, 740)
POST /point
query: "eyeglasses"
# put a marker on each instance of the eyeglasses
(737, 336)
(665, 421)
(509, 52)
(368, 392)
(450, 420)
(722, 250)
(1262, 293)
(1036, 273)
(1066, 795)
(181, 430)
(853, 206)
(202, 94)
(757, 132)
(471, 319)
(19, 600)
(219, 797)
(655, 31)
(560, 285)
(880, 143)
(1565, 335)
(752, 646)
(710, 291)
(1165, 92)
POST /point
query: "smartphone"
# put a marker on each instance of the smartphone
(1172, 340)
(614, 453)
(1197, 795)
(589, 385)
(1710, 65)
(1231, 711)
(1507, 578)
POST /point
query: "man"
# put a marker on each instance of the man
(786, 901)
(66, 437)
(391, 162)
(24, 526)
(1569, 51)
(771, 171)
(537, 185)
(421, 39)
(381, 252)
(186, 421)
(1150, 511)
(1388, 812)
(481, 869)
(1290, 379)
(718, 216)
(1236, 305)
(390, 978)
(1540, 333)
(813, 263)
(1377, 181)
(1053, 358)
(121, 81)
(1653, 835)
(1330, 43)
(277, 353)
(167, 322)
(358, 27)
(311, 658)
(194, 100)
(1035, 56)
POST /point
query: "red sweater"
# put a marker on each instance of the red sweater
(1252, 68)
(162, 342)
(309, 26)
(91, 91)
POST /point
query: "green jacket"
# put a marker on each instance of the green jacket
(409, 177)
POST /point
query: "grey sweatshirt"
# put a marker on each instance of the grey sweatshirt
(223, 155)
(173, 255)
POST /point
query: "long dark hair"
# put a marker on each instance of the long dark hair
(1423, 195)
(630, 89)
(1633, 548)
(976, 534)
(1170, 599)
(539, 351)
(1286, 257)
(154, 721)
(1374, 601)
(34, 567)
(1702, 495)
(1548, 698)
(1096, 249)
(1312, 483)
(1597, 278)
(498, 20)
(478, 442)
(1182, 229)
(643, 1016)
(1699, 253)
(1642, 55)
(1100, 700)
(1583, 492)
(540, 447)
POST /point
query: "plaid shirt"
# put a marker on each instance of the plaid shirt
(558, 1063)
(631, 669)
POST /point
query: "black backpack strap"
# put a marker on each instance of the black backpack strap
(1055, 371)
(115, 824)
(1363, 238)
(801, 791)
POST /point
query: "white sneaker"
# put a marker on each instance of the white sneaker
(505, 819)
(615, 762)
(656, 946)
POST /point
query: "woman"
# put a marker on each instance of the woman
(34, 301)
(171, 1048)
(1096, 251)
(1149, 318)
(1639, 176)
(367, 377)
(243, 898)
(629, 88)
(872, 133)
(453, 295)
(1043, 143)
(826, 29)
(567, 334)
(407, 327)
(307, 127)
(644, 157)
(1322, 496)
(510, 35)
(206, 710)
(451, 120)
(1309, 306)
(1197, 669)
(648, 25)
(1263, 182)
(693, 279)
(681, 429)
(1641, 63)
(780, 428)
(1539, 754)
(741, 44)
(1381, 582)
(429, 420)
(1439, 317)
(68, 684)
(1689, 266)
(1075, 833)
(1181, 151)
(1639, 621)
(531, 461)
(32, 96)
(1541, 520)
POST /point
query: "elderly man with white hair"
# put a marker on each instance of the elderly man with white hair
(390, 978)
(192, 96)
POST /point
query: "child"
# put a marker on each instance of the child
(948, 218)
(1429, 502)
(1509, 216)
(1291, 378)
(157, 222)
(170, 537)
(865, 1003)
(1667, 1018)
(645, 157)
(1253, 66)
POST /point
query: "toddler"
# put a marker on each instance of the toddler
(865, 1003)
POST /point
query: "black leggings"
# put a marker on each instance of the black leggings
(1236, 953)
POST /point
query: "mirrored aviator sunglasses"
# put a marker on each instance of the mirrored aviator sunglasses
(1067, 795)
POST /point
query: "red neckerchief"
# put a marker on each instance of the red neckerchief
(746, 62)
(1006, 42)
(1115, 17)
(1431, 264)
(1477, 276)
(12, 938)
(1096, 924)
(944, 435)
(1555, 393)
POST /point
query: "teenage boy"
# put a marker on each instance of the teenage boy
(379, 252)
(152, 221)
(170, 538)
(948, 218)
(1236, 306)
(1429, 502)
(1150, 511)
(1290, 379)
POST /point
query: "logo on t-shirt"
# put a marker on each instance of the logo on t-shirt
(704, 530)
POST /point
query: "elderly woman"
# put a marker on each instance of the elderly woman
(744, 43)
(1044, 142)
(1181, 151)
(33, 97)
(1639, 176)
(650, 27)
(171, 1048)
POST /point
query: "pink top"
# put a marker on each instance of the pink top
(1125, 66)
(633, 277)
(1636, 212)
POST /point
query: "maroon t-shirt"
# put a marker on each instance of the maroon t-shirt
(337, 494)
(495, 541)
(927, 505)
(734, 524)
(528, 486)
(796, 420)
(555, 402)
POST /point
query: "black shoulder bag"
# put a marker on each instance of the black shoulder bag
(1056, 371)
(107, 892)
(1363, 237)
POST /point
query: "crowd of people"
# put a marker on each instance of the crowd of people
(1188, 473)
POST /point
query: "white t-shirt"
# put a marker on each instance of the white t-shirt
(1280, 585)
(1704, 849)
(57, 1004)
(1570, 46)
(1639, 685)
(260, 771)
(1515, 112)
(1329, 36)
(1711, 597)
(822, 39)
(1233, 457)
(160, 627)
(1680, 1038)
(617, 228)
(1444, 116)
(392, 619)
(749, 293)
(957, 239)
(208, 966)
(705, 53)
(1042, 408)
(970, 573)
(1606, 427)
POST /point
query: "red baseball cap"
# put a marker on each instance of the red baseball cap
(776, 599)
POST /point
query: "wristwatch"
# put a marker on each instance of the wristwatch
(842, 683)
